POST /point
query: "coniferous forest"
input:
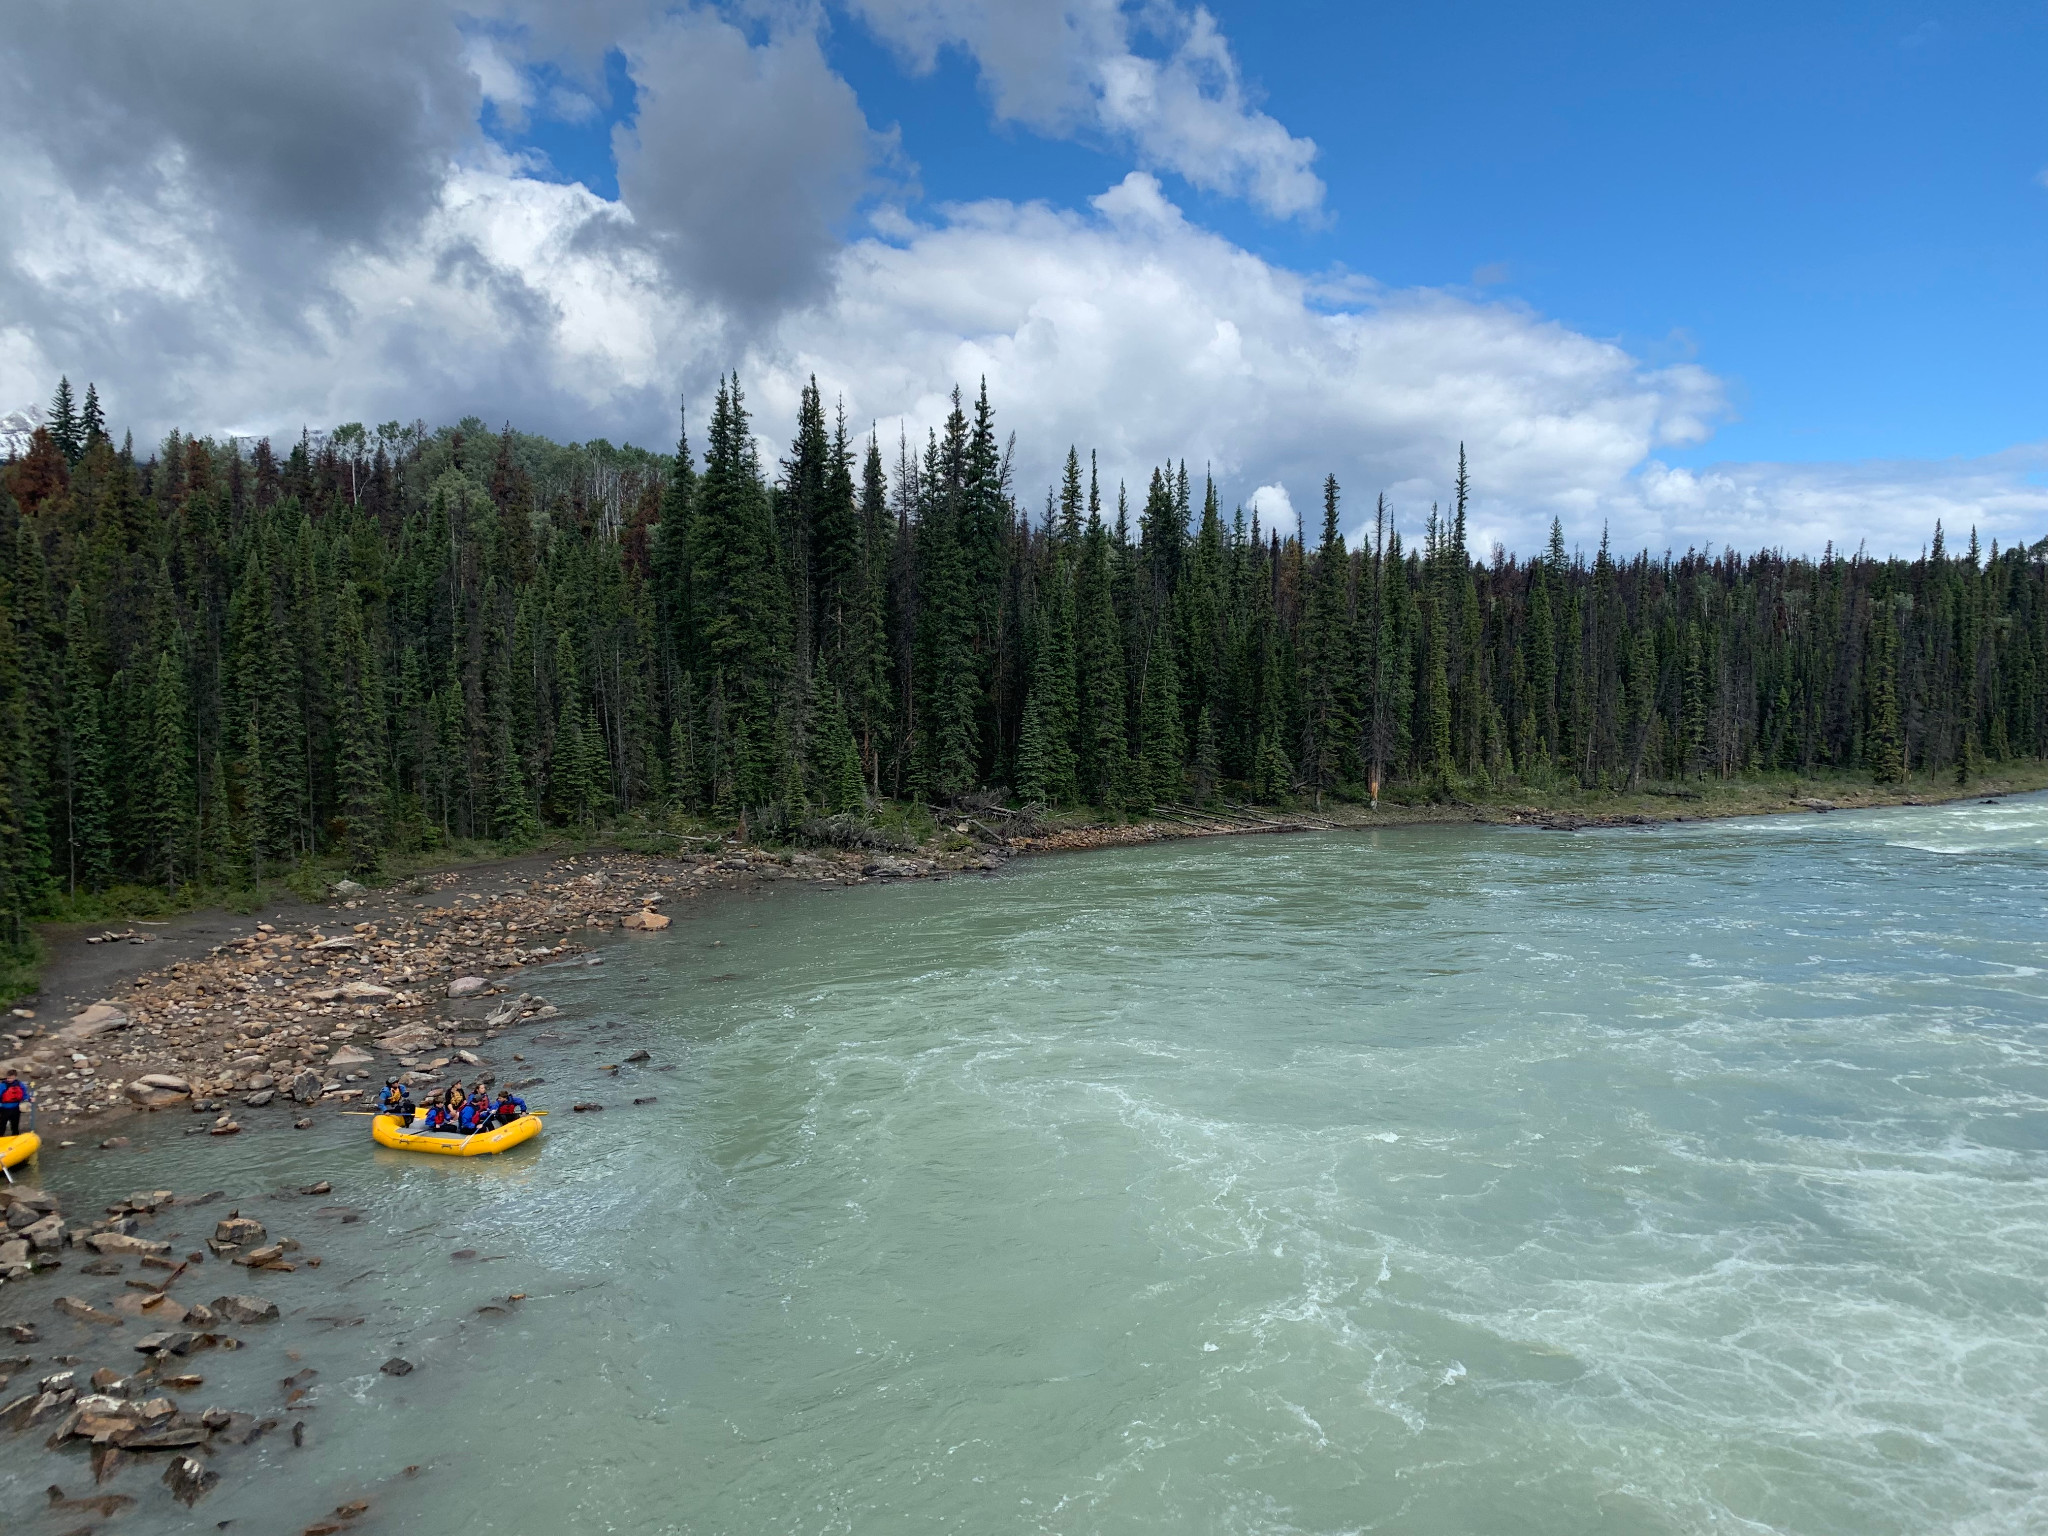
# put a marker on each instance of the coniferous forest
(216, 661)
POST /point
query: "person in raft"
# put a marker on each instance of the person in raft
(397, 1100)
(454, 1096)
(475, 1114)
(510, 1107)
(439, 1118)
(13, 1094)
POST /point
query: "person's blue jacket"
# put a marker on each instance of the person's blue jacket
(16, 1092)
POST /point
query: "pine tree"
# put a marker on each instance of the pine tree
(92, 421)
(66, 431)
(1883, 748)
(168, 786)
(91, 853)
(1103, 751)
(359, 732)
(1162, 746)
(837, 782)
(950, 686)
(740, 605)
(1327, 662)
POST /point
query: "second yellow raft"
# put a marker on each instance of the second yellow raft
(18, 1149)
(390, 1133)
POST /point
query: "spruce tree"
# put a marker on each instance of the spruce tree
(1327, 662)
(66, 431)
(836, 780)
(91, 860)
(1162, 745)
(740, 604)
(92, 421)
(168, 786)
(359, 732)
(1883, 748)
(1103, 755)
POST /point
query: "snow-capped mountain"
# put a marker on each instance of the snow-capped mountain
(17, 427)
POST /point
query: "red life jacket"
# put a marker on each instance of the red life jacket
(14, 1093)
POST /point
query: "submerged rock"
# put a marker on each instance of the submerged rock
(245, 1309)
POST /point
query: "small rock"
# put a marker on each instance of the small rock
(245, 1309)
(120, 1242)
(351, 1056)
(342, 942)
(322, 1188)
(230, 1129)
(648, 1100)
(646, 922)
(114, 1141)
(365, 991)
(396, 1367)
(640, 1056)
(466, 986)
(239, 1230)
(189, 1480)
(585, 1108)
(261, 1097)
(170, 1342)
(470, 1058)
(302, 1125)
(98, 1267)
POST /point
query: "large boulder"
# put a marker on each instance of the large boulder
(466, 986)
(411, 1038)
(46, 1235)
(645, 921)
(351, 1056)
(102, 1018)
(306, 1087)
(157, 1090)
(365, 991)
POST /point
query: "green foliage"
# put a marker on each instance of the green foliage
(216, 666)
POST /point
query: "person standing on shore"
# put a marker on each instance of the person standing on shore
(13, 1094)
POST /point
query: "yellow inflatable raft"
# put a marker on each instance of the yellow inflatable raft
(390, 1133)
(18, 1149)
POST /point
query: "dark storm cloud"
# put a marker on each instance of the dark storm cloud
(744, 161)
(339, 119)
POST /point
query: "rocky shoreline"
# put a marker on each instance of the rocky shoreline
(413, 979)
(407, 982)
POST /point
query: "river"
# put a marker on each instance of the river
(1437, 1180)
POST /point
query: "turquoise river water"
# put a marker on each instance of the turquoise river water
(1425, 1181)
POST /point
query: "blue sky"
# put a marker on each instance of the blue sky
(1698, 274)
(1840, 209)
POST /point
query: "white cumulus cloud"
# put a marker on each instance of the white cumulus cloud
(1067, 67)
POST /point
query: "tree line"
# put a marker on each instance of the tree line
(216, 661)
